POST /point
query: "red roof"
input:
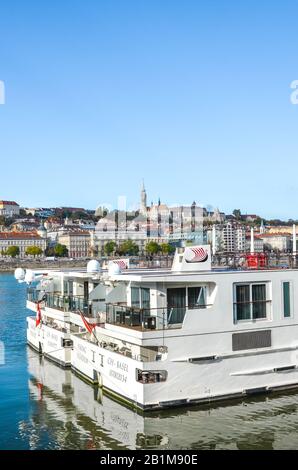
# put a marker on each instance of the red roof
(277, 234)
(19, 236)
(74, 233)
(8, 203)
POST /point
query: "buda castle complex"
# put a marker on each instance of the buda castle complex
(79, 233)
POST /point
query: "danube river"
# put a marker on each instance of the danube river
(45, 407)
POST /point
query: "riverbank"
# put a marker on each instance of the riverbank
(7, 266)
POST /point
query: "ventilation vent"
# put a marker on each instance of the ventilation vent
(251, 340)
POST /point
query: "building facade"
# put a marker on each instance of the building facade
(233, 238)
(9, 208)
(277, 241)
(258, 244)
(77, 243)
(22, 240)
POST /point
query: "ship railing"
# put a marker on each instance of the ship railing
(33, 295)
(148, 318)
(69, 303)
(121, 350)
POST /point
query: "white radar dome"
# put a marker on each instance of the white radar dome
(93, 266)
(19, 274)
(114, 269)
(30, 276)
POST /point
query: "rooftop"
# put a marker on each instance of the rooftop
(19, 236)
(8, 203)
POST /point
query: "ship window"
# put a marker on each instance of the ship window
(286, 299)
(251, 302)
(176, 299)
(67, 343)
(196, 297)
(151, 377)
(135, 297)
(259, 301)
(140, 297)
(101, 360)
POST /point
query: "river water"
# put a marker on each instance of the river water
(45, 407)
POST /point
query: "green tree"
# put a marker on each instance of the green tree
(50, 251)
(152, 248)
(6, 221)
(79, 215)
(167, 249)
(34, 251)
(13, 251)
(128, 248)
(61, 251)
(23, 213)
(109, 248)
(237, 214)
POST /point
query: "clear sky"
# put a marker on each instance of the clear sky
(193, 96)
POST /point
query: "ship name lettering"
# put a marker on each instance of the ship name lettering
(122, 366)
(82, 358)
(116, 375)
(110, 361)
(81, 348)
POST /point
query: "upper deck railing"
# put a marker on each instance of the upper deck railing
(117, 313)
(255, 261)
(148, 318)
(64, 303)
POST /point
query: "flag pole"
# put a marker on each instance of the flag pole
(89, 327)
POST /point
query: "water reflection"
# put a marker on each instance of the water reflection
(67, 413)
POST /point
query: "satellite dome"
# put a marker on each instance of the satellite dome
(19, 274)
(114, 269)
(93, 266)
(30, 276)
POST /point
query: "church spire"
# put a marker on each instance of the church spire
(143, 207)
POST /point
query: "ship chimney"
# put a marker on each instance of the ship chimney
(252, 241)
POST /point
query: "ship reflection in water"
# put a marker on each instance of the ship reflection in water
(67, 413)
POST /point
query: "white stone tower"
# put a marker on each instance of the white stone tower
(143, 207)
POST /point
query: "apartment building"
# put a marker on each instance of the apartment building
(77, 243)
(9, 208)
(22, 240)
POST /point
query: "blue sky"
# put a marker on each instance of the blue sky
(193, 96)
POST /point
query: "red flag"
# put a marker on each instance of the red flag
(38, 314)
(89, 326)
(40, 390)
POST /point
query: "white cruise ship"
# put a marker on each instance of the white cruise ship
(169, 337)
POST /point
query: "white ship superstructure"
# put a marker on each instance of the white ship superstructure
(169, 337)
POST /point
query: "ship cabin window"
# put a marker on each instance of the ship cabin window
(66, 343)
(196, 297)
(101, 360)
(251, 301)
(286, 297)
(151, 377)
(176, 303)
(140, 297)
